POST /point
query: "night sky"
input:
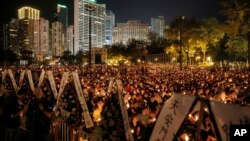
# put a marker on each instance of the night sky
(124, 9)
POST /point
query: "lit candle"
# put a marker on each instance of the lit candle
(186, 138)
(205, 109)
(132, 130)
(189, 115)
(128, 105)
(196, 117)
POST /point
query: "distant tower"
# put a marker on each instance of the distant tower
(4, 36)
(41, 39)
(57, 39)
(26, 31)
(61, 15)
(110, 24)
(70, 38)
(13, 35)
(158, 25)
(81, 25)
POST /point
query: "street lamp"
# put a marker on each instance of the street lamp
(181, 24)
(90, 8)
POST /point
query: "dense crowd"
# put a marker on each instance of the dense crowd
(145, 89)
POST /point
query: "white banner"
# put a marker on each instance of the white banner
(4, 75)
(21, 77)
(52, 83)
(88, 120)
(227, 114)
(171, 117)
(111, 83)
(62, 85)
(32, 87)
(124, 111)
(13, 81)
(41, 78)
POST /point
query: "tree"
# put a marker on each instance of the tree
(156, 43)
(116, 49)
(209, 35)
(27, 55)
(135, 49)
(80, 57)
(237, 23)
(9, 57)
(66, 57)
(189, 34)
(237, 49)
(237, 14)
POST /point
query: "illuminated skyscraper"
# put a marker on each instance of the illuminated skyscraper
(57, 39)
(41, 39)
(158, 25)
(70, 39)
(28, 13)
(110, 24)
(26, 29)
(81, 25)
(61, 15)
(13, 35)
(4, 36)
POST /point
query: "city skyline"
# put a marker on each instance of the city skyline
(124, 10)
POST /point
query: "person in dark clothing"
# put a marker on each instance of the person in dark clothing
(11, 115)
(39, 116)
(4, 93)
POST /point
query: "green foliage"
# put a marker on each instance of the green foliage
(237, 49)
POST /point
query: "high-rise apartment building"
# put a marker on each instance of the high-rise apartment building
(57, 39)
(82, 24)
(13, 35)
(158, 25)
(4, 36)
(130, 30)
(110, 24)
(61, 16)
(70, 39)
(28, 13)
(41, 39)
(26, 29)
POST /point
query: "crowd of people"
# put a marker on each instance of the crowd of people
(145, 89)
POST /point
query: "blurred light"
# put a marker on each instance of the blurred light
(186, 138)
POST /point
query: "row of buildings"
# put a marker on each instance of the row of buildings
(47, 40)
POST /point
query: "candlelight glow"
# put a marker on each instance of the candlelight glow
(186, 138)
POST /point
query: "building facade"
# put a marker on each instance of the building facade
(82, 25)
(61, 15)
(28, 13)
(123, 32)
(4, 36)
(109, 27)
(70, 39)
(28, 37)
(57, 39)
(41, 39)
(158, 25)
(13, 35)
